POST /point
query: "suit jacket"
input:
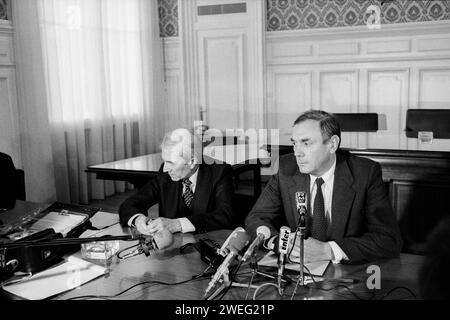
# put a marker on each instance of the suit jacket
(363, 222)
(211, 206)
(8, 183)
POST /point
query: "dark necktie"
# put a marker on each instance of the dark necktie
(319, 225)
(188, 195)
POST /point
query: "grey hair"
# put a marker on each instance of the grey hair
(190, 143)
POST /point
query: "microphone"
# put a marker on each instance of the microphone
(150, 244)
(301, 203)
(263, 233)
(237, 240)
(283, 245)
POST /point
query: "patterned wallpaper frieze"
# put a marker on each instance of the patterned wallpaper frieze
(310, 14)
(4, 10)
(168, 18)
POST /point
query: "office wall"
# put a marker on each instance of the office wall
(385, 71)
(343, 66)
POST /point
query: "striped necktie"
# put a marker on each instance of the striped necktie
(188, 195)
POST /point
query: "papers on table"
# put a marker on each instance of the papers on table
(315, 268)
(103, 219)
(64, 277)
(62, 222)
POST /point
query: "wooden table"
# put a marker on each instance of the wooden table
(171, 266)
(137, 170)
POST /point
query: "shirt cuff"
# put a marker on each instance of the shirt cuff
(339, 255)
(186, 225)
(130, 221)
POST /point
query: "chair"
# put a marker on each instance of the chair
(357, 122)
(431, 120)
(12, 184)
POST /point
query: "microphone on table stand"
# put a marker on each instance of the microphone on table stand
(236, 241)
(283, 245)
(263, 233)
(301, 204)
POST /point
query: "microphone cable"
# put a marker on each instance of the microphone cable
(262, 286)
(199, 276)
(118, 254)
(398, 288)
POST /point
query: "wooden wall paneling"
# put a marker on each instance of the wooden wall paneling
(419, 207)
(434, 93)
(339, 92)
(388, 95)
(289, 92)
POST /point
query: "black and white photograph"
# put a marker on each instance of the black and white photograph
(225, 158)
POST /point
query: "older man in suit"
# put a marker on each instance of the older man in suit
(349, 213)
(192, 196)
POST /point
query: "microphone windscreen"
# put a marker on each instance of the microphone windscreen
(235, 242)
(300, 198)
(283, 242)
(163, 239)
(238, 241)
(264, 230)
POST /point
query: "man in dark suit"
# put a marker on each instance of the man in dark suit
(8, 184)
(349, 216)
(192, 196)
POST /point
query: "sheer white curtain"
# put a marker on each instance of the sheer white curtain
(103, 70)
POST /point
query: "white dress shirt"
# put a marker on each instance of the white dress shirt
(327, 191)
(186, 224)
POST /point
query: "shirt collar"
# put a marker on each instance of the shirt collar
(327, 176)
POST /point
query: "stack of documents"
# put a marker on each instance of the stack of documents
(61, 278)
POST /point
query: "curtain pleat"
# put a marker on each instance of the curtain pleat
(103, 68)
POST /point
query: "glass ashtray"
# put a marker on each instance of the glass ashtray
(101, 251)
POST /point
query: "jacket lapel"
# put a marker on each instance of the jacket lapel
(343, 196)
(202, 190)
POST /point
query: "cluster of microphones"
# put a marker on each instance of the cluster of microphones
(233, 247)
